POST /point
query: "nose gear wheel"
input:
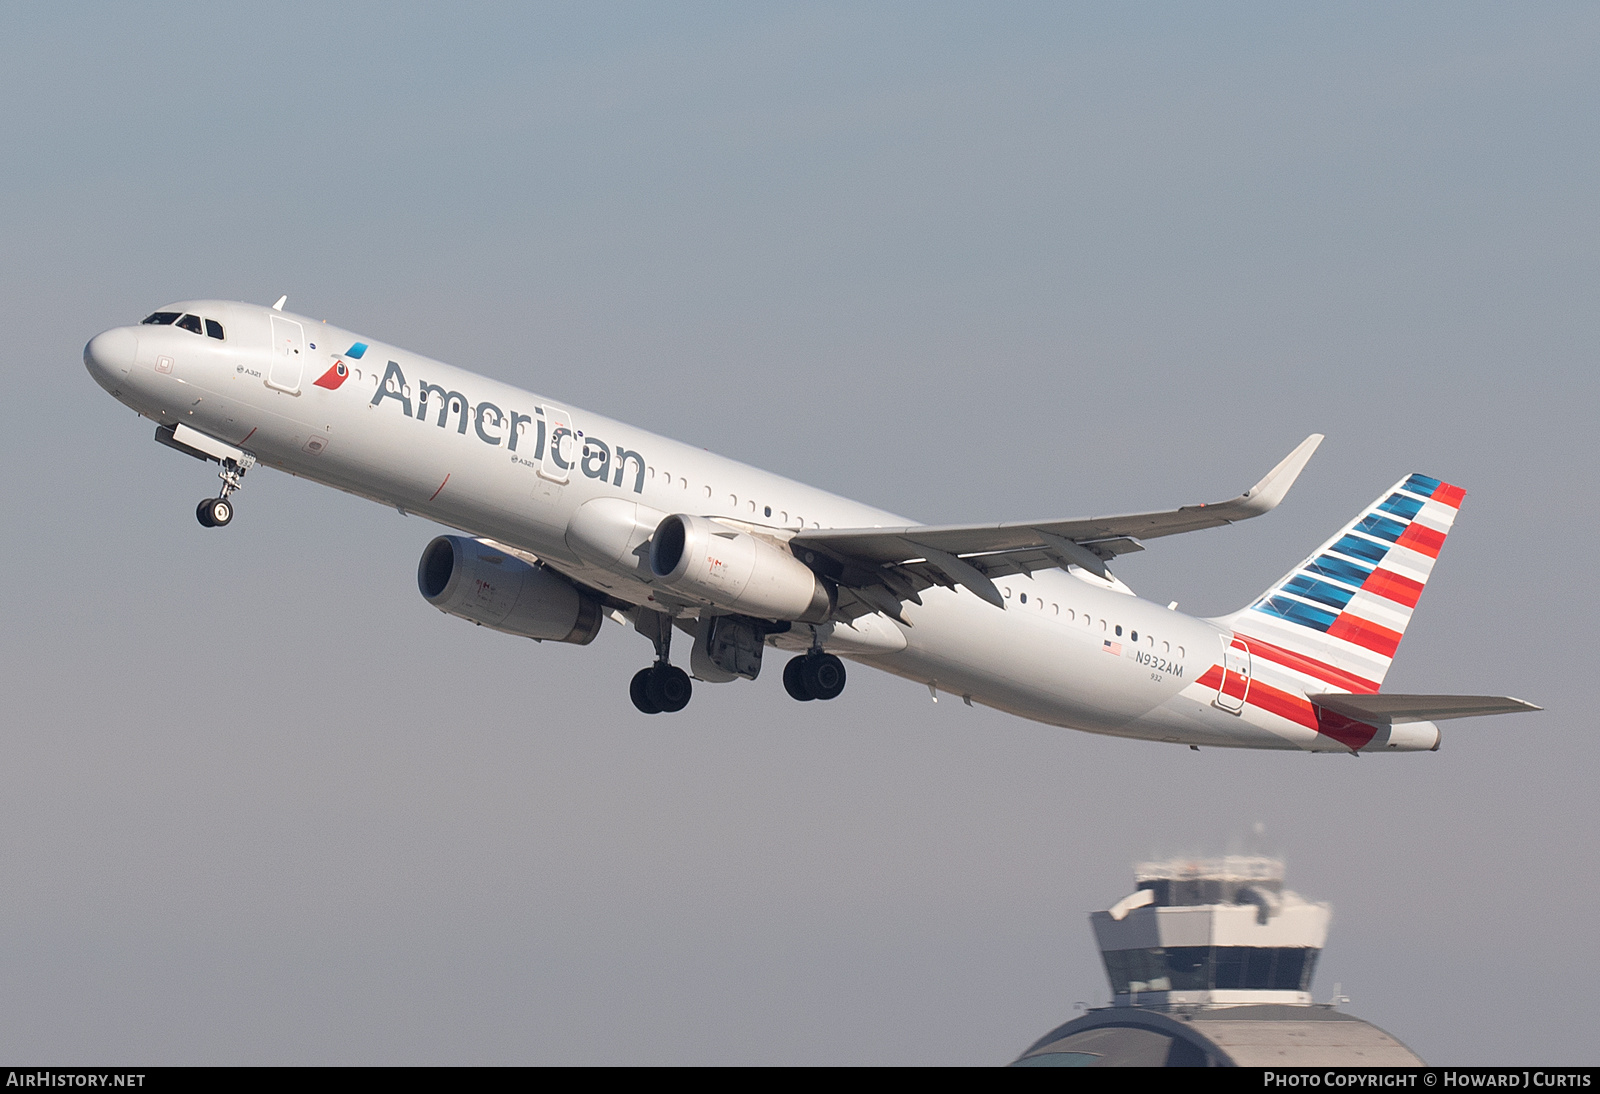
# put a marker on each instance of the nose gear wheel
(214, 512)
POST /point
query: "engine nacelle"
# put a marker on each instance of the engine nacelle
(472, 580)
(735, 571)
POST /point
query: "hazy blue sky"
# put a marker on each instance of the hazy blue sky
(262, 804)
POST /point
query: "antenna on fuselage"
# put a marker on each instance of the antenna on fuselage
(282, 300)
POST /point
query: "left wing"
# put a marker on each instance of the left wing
(883, 567)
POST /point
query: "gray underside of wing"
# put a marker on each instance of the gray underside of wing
(1394, 709)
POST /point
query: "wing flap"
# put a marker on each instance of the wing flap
(1391, 709)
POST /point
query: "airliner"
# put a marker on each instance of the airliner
(567, 519)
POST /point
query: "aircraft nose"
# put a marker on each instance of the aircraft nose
(109, 354)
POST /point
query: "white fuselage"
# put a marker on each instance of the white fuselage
(465, 450)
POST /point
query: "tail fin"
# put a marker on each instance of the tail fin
(1337, 618)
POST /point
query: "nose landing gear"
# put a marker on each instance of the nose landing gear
(217, 512)
(814, 675)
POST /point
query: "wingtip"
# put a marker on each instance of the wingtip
(1274, 485)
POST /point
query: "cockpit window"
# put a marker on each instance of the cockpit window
(161, 319)
(190, 322)
(214, 329)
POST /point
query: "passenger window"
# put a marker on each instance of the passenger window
(1180, 651)
(190, 323)
(161, 319)
(768, 509)
(1166, 647)
(213, 329)
(1023, 598)
(1134, 635)
(1119, 630)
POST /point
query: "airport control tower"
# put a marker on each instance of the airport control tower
(1210, 963)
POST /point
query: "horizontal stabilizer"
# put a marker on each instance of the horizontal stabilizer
(1393, 709)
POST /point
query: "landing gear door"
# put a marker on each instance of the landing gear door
(1235, 684)
(288, 355)
(564, 447)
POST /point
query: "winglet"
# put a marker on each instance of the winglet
(1265, 495)
(282, 300)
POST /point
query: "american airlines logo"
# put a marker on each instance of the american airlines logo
(494, 426)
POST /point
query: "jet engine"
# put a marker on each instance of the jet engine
(473, 580)
(735, 571)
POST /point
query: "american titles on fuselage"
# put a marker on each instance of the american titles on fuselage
(556, 441)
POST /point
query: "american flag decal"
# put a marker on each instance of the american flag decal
(1114, 648)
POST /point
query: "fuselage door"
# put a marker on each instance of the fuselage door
(288, 355)
(564, 448)
(1235, 675)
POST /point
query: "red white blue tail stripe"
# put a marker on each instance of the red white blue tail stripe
(1336, 619)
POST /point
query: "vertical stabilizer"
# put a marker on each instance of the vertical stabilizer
(1336, 619)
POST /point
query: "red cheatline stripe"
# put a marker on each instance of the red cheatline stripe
(1391, 586)
(1365, 633)
(441, 487)
(1294, 708)
(1348, 732)
(1449, 495)
(1422, 539)
(1299, 710)
(1321, 670)
(250, 434)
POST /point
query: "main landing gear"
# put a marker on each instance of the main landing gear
(217, 512)
(661, 688)
(814, 675)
